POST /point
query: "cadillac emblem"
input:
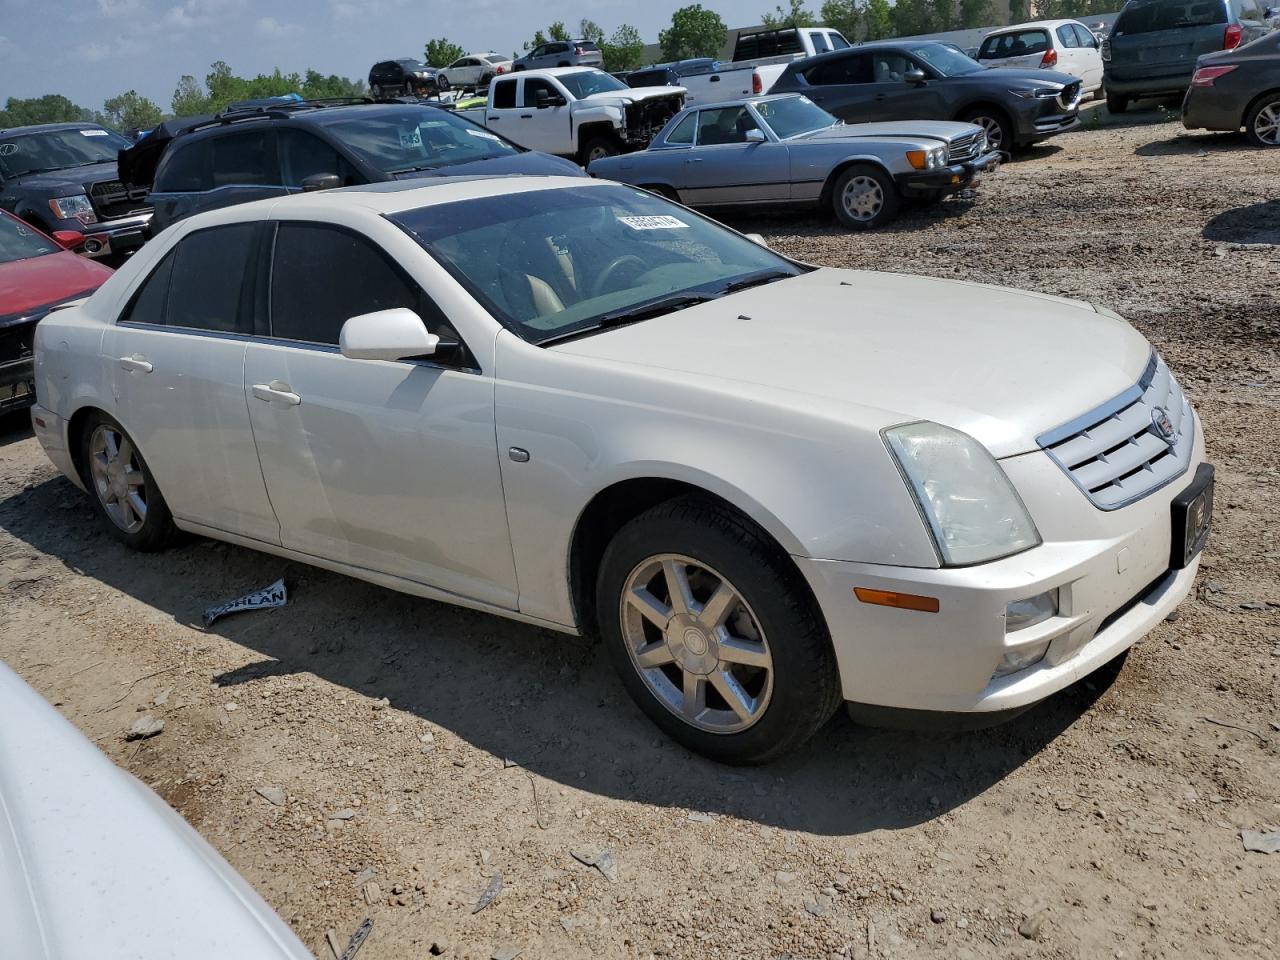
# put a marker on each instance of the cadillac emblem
(1162, 425)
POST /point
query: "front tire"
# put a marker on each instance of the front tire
(864, 197)
(597, 148)
(714, 633)
(997, 126)
(1262, 122)
(124, 492)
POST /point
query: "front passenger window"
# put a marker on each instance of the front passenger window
(304, 155)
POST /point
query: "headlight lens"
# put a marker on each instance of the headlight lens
(1037, 93)
(73, 208)
(972, 509)
(932, 159)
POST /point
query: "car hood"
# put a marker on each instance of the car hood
(531, 164)
(94, 864)
(1002, 365)
(1023, 78)
(633, 95)
(944, 130)
(61, 183)
(28, 286)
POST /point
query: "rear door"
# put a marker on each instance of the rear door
(503, 113)
(1163, 38)
(842, 85)
(1090, 57)
(244, 168)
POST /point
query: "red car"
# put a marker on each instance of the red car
(36, 274)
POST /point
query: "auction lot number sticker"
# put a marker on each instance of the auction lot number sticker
(653, 223)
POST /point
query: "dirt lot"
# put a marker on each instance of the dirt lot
(1103, 824)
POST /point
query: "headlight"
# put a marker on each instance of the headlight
(73, 208)
(931, 159)
(1037, 93)
(972, 509)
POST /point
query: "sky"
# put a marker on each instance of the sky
(89, 50)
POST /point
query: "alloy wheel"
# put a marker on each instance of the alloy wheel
(696, 644)
(995, 134)
(1266, 125)
(863, 198)
(117, 478)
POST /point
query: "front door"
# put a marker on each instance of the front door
(388, 466)
(549, 128)
(725, 167)
(178, 362)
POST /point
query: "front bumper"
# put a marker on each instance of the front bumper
(106, 237)
(949, 179)
(1111, 570)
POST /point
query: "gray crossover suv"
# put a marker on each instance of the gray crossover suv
(1154, 44)
(561, 53)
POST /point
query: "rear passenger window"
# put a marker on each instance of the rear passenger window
(323, 276)
(209, 271)
(186, 168)
(1067, 35)
(504, 95)
(148, 302)
(683, 133)
(243, 160)
(854, 68)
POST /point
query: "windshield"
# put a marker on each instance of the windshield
(1169, 15)
(590, 81)
(58, 150)
(418, 138)
(19, 242)
(948, 62)
(794, 116)
(551, 263)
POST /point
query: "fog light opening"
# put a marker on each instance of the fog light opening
(1021, 659)
(1021, 614)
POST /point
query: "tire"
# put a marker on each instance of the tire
(1262, 122)
(995, 123)
(1117, 102)
(147, 530)
(667, 193)
(597, 148)
(789, 690)
(442, 84)
(375, 91)
(485, 81)
(864, 197)
(564, 63)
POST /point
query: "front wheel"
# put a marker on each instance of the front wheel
(864, 197)
(714, 633)
(442, 84)
(597, 148)
(1262, 123)
(124, 492)
(998, 129)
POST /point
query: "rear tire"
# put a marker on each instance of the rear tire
(124, 493)
(667, 193)
(1117, 102)
(442, 85)
(864, 197)
(1262, 122)
(765, 644)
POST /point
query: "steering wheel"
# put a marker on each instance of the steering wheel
(602, 284)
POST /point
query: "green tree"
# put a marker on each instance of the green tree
(130, 111)
(945, 15)
(796, 15)
(590, 30)
(558, 31)
(911, 17)
(624, 50)
(317, 86)
(877, 17)
(694, 32)
(1019, 10)
(843, 15)
(51, 108)
(189, 99)
(977, 13)
(440, 52)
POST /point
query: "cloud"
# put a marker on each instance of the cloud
(117, 8)
(199, 13)
(93, 51)
(272, 28)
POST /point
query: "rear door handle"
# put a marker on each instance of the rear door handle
(136, 364)
(277, 391)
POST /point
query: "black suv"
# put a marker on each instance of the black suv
(271, 151)
(394, 78)
(62, 176)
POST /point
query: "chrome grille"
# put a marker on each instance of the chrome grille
(964, 148)
(1116, 453)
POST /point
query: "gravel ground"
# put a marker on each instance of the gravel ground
(1104, 823)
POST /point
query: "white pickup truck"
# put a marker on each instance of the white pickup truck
(759, 57)
(577, 112)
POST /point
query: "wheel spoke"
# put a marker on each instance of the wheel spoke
(126, 512)
(695, 695)
(650, 607)
(137, 505)
(678, 586)
(109, 444)
(126, 450)
(745, 652)
(133, 478)
(717, 609)
(654, 655)
(728, 687)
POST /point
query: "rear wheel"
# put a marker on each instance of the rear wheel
(864, 197)
(1117, 103)
(442, 84)
(998, 129)
(1262, 122)
(667, 193)
(714, 634)
(124, 492)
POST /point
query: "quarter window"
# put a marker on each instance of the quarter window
(209, 271)
(243, 160)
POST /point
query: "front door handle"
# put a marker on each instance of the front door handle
(277, 391)
(694, 160)
(136, 364)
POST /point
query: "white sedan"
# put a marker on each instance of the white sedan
(476, 69)
(769, 487)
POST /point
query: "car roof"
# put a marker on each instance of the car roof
(47, 127)
(1031, 25)
(740, 101)
(558, 71)
(312, 116)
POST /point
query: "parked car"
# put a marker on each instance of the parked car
(1066, 46)
(669, 74)
(759, 57)
(1238, 88)
(769, 487)
(1154, 44)
(920, 80)
(475, 70)
(782, 149)
(37, 273)
(394, 78)
(63, 176)
(561, 53)
(271, 152)
(576, 112)
(88, 854)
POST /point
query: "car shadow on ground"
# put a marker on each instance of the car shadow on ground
(818, 223)
(14, 427)
(1255, 223)
(546, 701)
(1194, 144)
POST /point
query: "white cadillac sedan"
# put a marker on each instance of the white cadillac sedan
(768, 487)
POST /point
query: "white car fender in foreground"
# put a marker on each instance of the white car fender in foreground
(94, 866)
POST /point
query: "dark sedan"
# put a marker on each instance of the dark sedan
(919, 80)
(1238, 88)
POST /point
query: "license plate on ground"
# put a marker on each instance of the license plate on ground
(1192, 517)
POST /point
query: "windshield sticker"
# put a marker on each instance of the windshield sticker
(94, 133)
(412, 138)
(653, 223)
(8, 149)
(483, 134)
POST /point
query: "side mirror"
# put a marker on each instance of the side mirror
(386, 335)
(68, 239)
(544, 98)
(755, 135)
(321, 181)
(915, 76)
(757, 238)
